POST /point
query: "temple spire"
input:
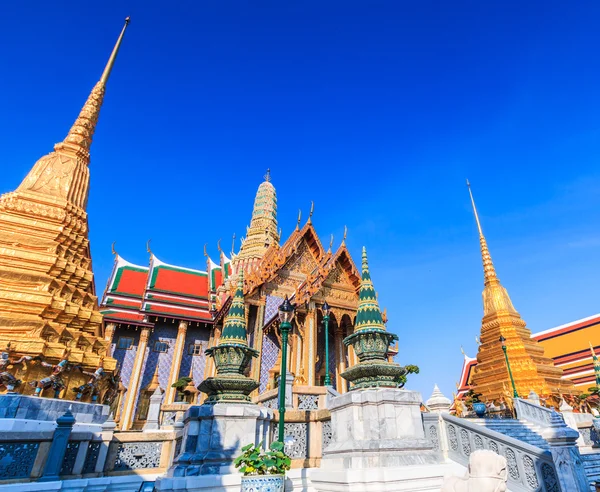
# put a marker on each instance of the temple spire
(262, 232)
(489, 272)
(81, 133)
(368, 315)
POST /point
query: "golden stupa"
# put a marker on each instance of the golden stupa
(530, 368)
(48, 304)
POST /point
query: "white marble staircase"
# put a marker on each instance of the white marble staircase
(518, 429)
(591, 462)
(531, 433)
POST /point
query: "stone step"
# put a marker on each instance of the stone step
(517, 429)
(591, 465)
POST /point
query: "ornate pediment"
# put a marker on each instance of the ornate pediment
(302, 260)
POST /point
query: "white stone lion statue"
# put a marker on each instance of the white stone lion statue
(486, 473)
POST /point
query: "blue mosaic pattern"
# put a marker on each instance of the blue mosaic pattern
(198, 362)
(271, 307)
(332, 356)
(270, 352)
(163, 359)
(124, 357)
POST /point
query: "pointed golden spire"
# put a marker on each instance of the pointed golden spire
(299, 219)
(489, 272)
(312, 209)
(154, 383)
(345, 234)
(82, 131)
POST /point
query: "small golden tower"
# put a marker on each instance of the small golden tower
(263, 227)
(531, 370)
(47, 297)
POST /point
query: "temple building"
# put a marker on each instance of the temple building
(48, 303)
(161, 318)
(532, 368)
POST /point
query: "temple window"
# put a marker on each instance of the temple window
(125, 343)
(196, 349)
(160, 346)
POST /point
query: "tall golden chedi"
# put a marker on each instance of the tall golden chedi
(48, 304)
(531, 370)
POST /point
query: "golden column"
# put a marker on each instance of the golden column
(341, 359)
(109, 333)
(311, 317)
(176, 362)
(134, 380)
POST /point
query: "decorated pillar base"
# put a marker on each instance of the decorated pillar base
(228, 388)
(214, 435)
(378, 433)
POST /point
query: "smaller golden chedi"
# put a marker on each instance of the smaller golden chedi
(48, 304)
(530, 368)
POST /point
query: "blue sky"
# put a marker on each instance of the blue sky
(377, 111)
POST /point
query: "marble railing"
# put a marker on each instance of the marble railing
(529, 468)
(532, 412)
(303, 398)
(90, 452)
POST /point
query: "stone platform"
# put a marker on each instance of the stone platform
(16, 406)
(378, 444)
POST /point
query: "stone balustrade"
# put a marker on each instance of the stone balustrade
(532, 412)
(91, 451)
(303, 398)
(529, 468)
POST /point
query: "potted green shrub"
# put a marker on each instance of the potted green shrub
(263, 471)
(473, 400)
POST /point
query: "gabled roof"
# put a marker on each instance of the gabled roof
(122, 301)
(173, 279)
(134, 292)
(465, 376)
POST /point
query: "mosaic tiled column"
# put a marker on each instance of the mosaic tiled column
(176, 362)
(134, 381)
(341, 359)
(310, 357)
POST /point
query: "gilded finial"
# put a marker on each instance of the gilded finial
(457, 385)
(475, 209)
(463, 352)
(268, 175)
(330, 244)
(205, 253)
(477, 341)
(345, 235)
(113, 55)
(312, 209)
(384, 315)
(299, 218)
(233, 243)
(219, 246)
(112, 248)
(489, 272)
(148, 246)
(81, 133)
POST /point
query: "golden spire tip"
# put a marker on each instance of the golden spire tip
(114, 251)
(113, 55)
(474, 209)
(148, 246)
